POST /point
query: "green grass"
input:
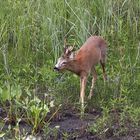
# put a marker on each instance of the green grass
(32, 33)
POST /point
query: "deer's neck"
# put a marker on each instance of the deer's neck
(73, 64)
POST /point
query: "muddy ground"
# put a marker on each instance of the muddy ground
(76, 128)
(70, 126)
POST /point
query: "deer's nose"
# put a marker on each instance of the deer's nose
(55, 68)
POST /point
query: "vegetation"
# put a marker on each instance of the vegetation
(31, 39)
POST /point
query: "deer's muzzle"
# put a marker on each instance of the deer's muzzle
(55, 68)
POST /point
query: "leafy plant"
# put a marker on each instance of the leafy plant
(36, 111)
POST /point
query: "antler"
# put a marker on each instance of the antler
(67, 48)
(65, 41)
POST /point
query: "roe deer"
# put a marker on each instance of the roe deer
(83, 61)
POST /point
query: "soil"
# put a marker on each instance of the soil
(68, 125)
(73, 126)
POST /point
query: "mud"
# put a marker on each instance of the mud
(72, 127)
(68, 125)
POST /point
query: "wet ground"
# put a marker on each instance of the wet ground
(73, 126)
(68, 125)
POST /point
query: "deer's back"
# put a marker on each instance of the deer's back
(92, 51)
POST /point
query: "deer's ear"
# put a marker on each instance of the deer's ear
(65, 49)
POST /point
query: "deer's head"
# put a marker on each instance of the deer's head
(63, 61)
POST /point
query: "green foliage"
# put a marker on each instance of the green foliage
(10, 92)
(36, 111)
(117, 122)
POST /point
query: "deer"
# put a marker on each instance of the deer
(82, 62)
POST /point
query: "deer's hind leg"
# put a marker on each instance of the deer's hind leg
(104, 72)
(102, 62)
(93, 82)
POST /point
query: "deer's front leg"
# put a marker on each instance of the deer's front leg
(83, 80)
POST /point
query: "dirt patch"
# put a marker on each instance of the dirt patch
(70, 126)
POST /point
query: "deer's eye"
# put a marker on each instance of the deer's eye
(64, 63)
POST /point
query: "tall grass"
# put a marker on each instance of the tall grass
(33, 31)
